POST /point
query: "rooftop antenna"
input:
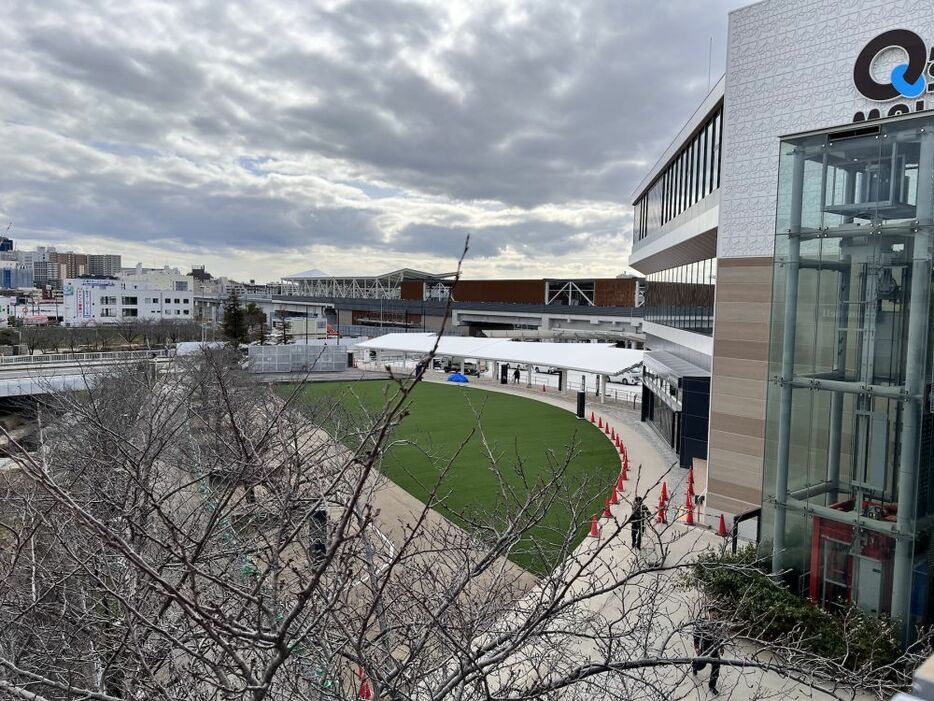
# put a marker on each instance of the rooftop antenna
(709, 61)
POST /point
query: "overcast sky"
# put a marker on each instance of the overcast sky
(264, 138)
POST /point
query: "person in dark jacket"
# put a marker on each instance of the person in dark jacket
(708, 642)
(515, 376)
(640, 516)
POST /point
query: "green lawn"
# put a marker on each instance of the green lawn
(442, 416)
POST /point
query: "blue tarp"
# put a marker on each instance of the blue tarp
(457, 377)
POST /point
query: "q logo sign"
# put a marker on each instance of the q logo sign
(906, 80)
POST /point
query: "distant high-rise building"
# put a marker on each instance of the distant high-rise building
(106, 265)
(6, 244)
(15, 275)
(66, 265)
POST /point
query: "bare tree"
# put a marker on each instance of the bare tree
(188, 535)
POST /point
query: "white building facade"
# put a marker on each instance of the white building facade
(91, 301)
(799, 280)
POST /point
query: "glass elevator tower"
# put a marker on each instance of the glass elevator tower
(847, 492)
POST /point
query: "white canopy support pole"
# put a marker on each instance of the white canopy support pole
(602, 379)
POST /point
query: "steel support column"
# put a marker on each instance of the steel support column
(788, 361)
(915, 362)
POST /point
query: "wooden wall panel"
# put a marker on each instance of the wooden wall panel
(739, 383)
(412, 289)
(506, 291)
(614, 292)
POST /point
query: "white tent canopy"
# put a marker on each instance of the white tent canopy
(598, 358)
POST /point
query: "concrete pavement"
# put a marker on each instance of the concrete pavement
(673, 607)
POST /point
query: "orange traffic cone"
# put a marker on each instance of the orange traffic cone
(721, 529)
(592, 418)
(614, 497)
(606, 508)
(664, 496)
(613, 433)
(691, 477)
(594, 528)
(661, 512)
(621, 482)
(689, 503)
(600, 423)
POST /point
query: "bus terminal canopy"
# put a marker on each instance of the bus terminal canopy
(598, 358)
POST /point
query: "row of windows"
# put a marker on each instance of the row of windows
(692, 175)
(683, 297)
(146, 300)
(109, 313)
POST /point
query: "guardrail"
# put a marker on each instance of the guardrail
(78, 358)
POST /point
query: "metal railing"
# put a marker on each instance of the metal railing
(80, 358)
(630, 395)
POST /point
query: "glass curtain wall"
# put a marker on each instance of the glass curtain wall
(683, 297)
(847, 489)
(689, 177)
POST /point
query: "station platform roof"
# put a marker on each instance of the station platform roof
(598, 358)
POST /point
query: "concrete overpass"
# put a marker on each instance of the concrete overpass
(374, 317)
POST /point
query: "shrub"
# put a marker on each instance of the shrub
(769, 611)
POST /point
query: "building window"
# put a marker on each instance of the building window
(108, 313)
(108, 300)
(129, 300)
(683, 297)
(130, 312)
(691, 175)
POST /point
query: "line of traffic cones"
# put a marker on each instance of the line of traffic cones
(618, 488)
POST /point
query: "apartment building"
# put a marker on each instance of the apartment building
(787, 238)
(104, 265)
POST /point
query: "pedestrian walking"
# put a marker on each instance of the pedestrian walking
(640, 516)
(708, 642)
(515, 376)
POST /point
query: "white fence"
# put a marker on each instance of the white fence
(298, 358)
(81, 358)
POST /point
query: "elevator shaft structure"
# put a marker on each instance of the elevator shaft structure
(850, 367)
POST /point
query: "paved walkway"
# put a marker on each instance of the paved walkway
(651, 465)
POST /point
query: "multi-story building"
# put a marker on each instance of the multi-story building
(63, 266)
(787, 234)
(89, 301)
(41, 267)
(14, 275)
(104, 265)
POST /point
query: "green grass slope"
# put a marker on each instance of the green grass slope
(441, 417)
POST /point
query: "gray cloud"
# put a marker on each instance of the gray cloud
(390, 125)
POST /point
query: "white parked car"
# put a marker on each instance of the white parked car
(630, 377)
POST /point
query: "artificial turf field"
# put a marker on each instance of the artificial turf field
(442, 416)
